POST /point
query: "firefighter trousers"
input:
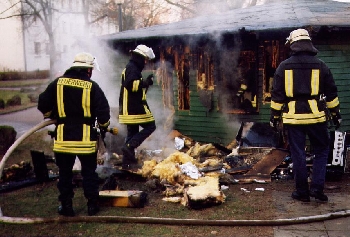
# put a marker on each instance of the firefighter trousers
(319, 138)
(65, 163)
(135, 137)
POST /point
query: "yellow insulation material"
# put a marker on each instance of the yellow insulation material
(204, 188)
(147, 168)
(202, 150)
(169, 169)
(210, 162)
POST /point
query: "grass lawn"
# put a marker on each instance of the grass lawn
(40, 200)
(23, 83)
(20, 88)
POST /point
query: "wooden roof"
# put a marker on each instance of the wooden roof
(283, 14)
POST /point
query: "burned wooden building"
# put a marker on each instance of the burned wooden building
(215, 71)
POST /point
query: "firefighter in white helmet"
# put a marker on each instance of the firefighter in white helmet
(133, 108)
(77, 103)
(298, 84)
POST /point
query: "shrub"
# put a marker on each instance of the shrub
(7, 137)
(2, 104)
(15, 100)
(16, 75)
(33, 97)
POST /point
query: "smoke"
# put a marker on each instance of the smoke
(112, 63)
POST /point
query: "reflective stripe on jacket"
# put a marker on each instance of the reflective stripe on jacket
(133, 107)
(76, 104)
(298, 83)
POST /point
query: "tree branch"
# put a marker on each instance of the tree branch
(180, 6)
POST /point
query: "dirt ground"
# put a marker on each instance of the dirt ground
(243, 202)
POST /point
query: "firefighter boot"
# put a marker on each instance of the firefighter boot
(318, 195)
(129, 159)
(304, 197)
(128, 154)
(66, 208)
(93, 207)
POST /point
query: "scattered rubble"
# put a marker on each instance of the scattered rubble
(192, 173)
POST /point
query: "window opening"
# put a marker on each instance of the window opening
(184, 80)
(273, 53)
(37, 48)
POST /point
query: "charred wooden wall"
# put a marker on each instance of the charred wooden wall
(200, 114)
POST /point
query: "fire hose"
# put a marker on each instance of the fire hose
(174, 221)
(21, 139)
(151, 220)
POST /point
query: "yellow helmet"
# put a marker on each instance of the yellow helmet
(296, 35)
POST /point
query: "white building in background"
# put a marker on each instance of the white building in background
(11, 40)
(28, 49)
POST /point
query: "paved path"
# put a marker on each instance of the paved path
(23, 120)
(288, 208)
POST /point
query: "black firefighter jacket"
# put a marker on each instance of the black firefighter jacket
(76, 102)
(298, 83)
(133, 107)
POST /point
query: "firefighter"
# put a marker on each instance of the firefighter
(133, 108)
(81, 109)
(298, 83)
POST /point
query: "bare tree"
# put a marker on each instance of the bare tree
(193, 8)
(42, 10)
(136, 13)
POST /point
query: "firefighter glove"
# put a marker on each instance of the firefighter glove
(149, 80)
(114, 131)
(275, 121)
(336, 117)
(103, 131)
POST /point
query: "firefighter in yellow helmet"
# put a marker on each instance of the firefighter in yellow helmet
(77, 103)
(298, 84)
(133, 108)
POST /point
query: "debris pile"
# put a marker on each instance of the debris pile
(17, 172)
(179, 174)
(194, 173)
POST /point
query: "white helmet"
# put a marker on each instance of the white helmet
(296, 35)
(84, 60)
(144, 51)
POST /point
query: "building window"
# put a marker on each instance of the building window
(184, 84)
(64, 27)
(248, 81)
(183, 65)
(37, 48)
(237, 87)
(272, 53)
(205, 77)
(47, 49)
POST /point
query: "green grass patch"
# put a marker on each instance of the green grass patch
(8, 94)
(22, 91)
(41, 200)
(23, 83)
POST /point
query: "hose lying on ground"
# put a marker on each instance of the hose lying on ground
(173, 221)
(20, 139)
(151, 220)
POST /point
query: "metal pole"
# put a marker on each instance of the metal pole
(120, 17)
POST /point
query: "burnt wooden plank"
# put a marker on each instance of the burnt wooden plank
(269, 162)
